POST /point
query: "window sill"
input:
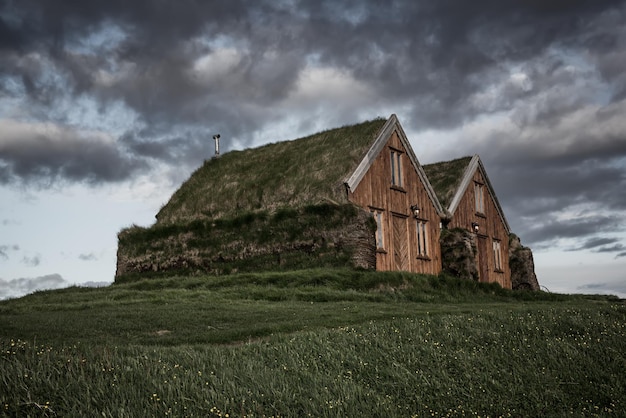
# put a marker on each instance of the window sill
(398, 189)
(499, 271)
(481, 215)
(381, 251)
(422, 257)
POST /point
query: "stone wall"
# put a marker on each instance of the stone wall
(522, 265)
(315, 236)
(458, 253)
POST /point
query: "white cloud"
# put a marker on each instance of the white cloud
(19, 287)
(23, 135)
(216, 67)
(317, 86)
(521, 81)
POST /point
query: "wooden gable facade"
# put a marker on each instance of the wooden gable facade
(475, 208)
(391, 184)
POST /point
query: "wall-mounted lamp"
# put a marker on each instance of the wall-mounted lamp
(475, 227)
(415, 210)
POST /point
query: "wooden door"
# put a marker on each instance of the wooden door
(400, 243)
(483, 261)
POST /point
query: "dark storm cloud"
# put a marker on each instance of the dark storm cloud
(601, 245)
(562, 158)
(549, 229)
(536, 190)
(594, 243)
(192, 145)
(185, 70)
(611, 249)
(44, 152)
(432, 55)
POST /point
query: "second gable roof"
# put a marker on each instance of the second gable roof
(452, 178)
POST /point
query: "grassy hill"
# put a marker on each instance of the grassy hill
(311, 343)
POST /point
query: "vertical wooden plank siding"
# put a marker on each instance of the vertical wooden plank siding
(375, 191)
(400, 244)
(483, 261)
(490, 226)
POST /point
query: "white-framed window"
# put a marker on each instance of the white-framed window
(396, 168)
(479, 197)
(378, 217)
(422, 238)
(497, 255)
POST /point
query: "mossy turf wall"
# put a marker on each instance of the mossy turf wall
(323, 235)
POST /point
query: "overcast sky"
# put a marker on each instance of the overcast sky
(107, 106)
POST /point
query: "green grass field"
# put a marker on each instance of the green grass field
(311, 343)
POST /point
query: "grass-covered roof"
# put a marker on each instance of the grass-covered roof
(445, 177)
(293, 173)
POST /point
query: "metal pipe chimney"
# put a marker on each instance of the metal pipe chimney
(216, 137)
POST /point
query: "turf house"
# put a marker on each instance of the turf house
(465, 191)
(477, 241)
(354, 196)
